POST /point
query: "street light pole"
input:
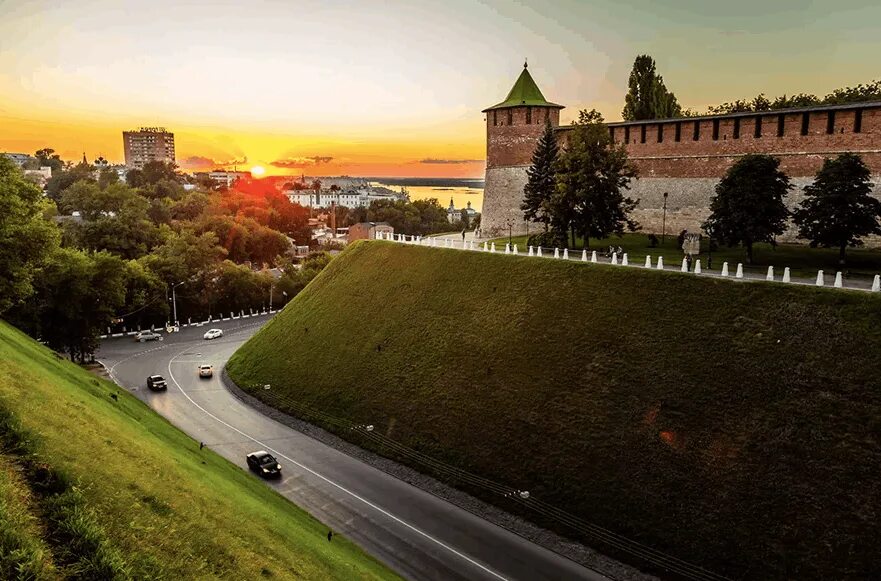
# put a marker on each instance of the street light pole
(174, 300)
(270, 297)
(664, 221)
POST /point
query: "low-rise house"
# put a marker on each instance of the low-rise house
(368, 230)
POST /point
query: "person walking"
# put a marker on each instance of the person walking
(329, 536)
(463, 234)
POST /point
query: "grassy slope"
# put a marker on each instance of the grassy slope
(801, 259)
(732, 424)
(170, 510)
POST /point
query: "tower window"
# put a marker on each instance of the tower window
(678, 131)
(529, 115)
(495, 118)
(715, 130)
(627, 134)
(858, 121)
(781, 124)
(830, 122)
(737, 128)
(510, 116)
(642, 133)
(805, 123)
(758, 129)
(660, 133)
(697, 131)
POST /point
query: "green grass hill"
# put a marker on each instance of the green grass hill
(97, 488)
(735, 425)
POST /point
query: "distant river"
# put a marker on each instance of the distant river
(461, 193)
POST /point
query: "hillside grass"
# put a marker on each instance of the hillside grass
(92, 487)
(735, 425)
(803, 261)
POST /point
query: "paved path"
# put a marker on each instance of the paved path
(415, 533)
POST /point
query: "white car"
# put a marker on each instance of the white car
(206, 371)
(213, 333)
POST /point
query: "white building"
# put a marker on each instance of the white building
(455, 214)
(355, 196)
(227, 178)
(19, 158)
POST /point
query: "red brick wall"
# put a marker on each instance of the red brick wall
(800, 155)
(512, 145)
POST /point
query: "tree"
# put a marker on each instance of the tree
(647, 96)
(107, 177)
(62, 180)
(748, 204)
(592, 174)
(838, 209)
(26, 238)
(48, 157)
(541, 178)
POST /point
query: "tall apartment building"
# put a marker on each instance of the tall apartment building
(147, 144)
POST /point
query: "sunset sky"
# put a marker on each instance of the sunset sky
(390, 88)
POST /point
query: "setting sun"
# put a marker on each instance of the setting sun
(257, 171)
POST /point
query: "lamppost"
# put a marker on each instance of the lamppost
(709, 230)
(174, 300)
(664, 220)
(510, 224)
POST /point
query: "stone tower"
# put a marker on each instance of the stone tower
(513, 128)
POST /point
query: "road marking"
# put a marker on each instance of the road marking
(332, 483)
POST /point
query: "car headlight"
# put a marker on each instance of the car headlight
(278, 466)
(265, 470)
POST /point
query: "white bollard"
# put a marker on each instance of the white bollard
(684, 267)
(739, 273)
(507, 248)
(565, 254)
(614, 258)
(770, 275)
(556, 252)
(531, 253)
(538, 251)
(485, 247)
(724, 269)
(660, 263)
(697, 266)
(584, 256)
(838, 281)
(593, 256)
(648, 261)
(786, 274)
(876, 284)
(493, 247)
(516, 253)
(821, 280)
(624, 261)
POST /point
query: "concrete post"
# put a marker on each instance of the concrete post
(492, 247)
(739, 273)
(584, 256)
(697, 266)
(485, 247)
(724, 269)
(507, 248)
(770, 275)
(538, 251)
(565, 254)
(614, 258)
(624, 261)
(821, 280)
(786, 274)
(593, 256)
(648, 261)
(531, 252)
(516, 252)
(556, 252)
(876, 284)
(684, 267)
(838, 281)
(660, 263)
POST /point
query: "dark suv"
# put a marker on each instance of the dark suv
(156, 383)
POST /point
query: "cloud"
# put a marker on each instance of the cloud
(298, 162)
(200, 162)
(432, 160)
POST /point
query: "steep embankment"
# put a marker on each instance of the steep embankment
(93, 487)
(733, 425)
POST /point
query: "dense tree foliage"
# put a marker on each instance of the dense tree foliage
(419, 217)
(591, 177)
(26, 238)
(541, 180)
(838, 209)
(748, 205)
(858, 94)
(647, 96)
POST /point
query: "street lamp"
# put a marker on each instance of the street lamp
(510, 224)
(664, 220)
(709, 230)
(174, 300)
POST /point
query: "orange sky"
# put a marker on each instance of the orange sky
(393, 89)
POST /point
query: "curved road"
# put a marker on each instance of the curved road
(415, 533)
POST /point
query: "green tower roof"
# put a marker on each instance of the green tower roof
(524, 92)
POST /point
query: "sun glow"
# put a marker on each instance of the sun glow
(257, 171)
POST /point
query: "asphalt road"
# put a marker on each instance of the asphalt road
(415, 533)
